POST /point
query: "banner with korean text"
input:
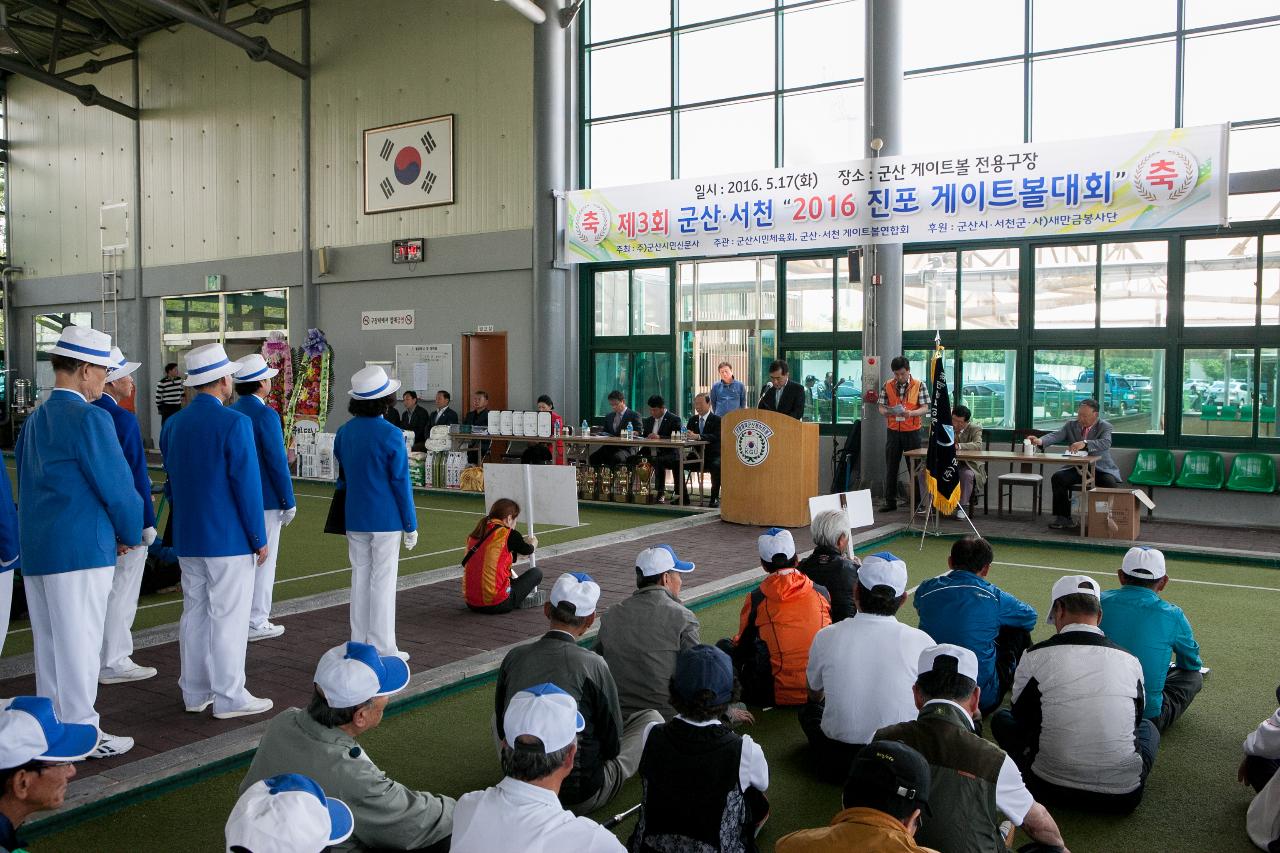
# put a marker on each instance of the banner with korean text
(1163, 179)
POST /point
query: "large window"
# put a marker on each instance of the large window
(633, 302)
(989, 386)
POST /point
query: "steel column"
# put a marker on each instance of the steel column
(310, 308)
(141, 345)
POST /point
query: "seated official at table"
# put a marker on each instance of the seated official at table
(781, 394)
(705, 424)
(615, 423)
(443, 415)
(543, 454)
(972, 474)
(1088, 432)
(478, 417)
(414, 418)
(662, 424)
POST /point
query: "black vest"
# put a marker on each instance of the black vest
(692, 798)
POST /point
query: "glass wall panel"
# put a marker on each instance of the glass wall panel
(651, 374)
(259, 311)
(810, 295)
(947, 100)
(989, 386)
(929, 291)
(1135, 283)
(1127, 89)
(846, 386)
(944, 32)
(1205, 13)
(651, 301)
(848, 299)
(1054, 385)
(1217, 64)
(1132, 389)
(612, 302)
(193, 315)
(728, 60)
(812, 368)
(922, 366)
(696, 11)
(634, 151)
(630, 77)
(1253, 206)
(822, 127)
(730, 138)
(1057, 24)
(610, 371)
(1268, 391)
(1065, 283)
(1271, 280)
(1255, 148)
(1217, 389)
(48, 328)
(1220, 282)
(823, 43)
(989, 288)
(611, 19)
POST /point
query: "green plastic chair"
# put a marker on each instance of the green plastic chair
(1210, 412)
(1230, 413)
(1201, 469)
(1267, 420)
(1153, 468)
(1246, 414)
(1252, 472)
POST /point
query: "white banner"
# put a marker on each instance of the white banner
(377, 321)
(1141, 181)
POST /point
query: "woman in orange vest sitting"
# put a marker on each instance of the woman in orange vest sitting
(488, 584)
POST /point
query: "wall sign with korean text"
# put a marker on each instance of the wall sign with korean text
(408, 165)
(1140, 181)
(377, 321)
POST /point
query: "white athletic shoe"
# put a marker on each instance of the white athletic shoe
(255, 705)
(197, 709)
(960, 514)
(110, 746)
(130, 671)
(537, 598)
(265, 631)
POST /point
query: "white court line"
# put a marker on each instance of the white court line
(316, 575)
(1113, 574)
(415, 506)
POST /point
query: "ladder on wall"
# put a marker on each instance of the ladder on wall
(113, 235)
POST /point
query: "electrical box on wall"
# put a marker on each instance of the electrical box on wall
(870, 378)
(411, 250)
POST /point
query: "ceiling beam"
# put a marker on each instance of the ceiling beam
(87, 95)
(98, 28)
(93, 66)
(258, 48)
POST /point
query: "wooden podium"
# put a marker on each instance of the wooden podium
(768, 468)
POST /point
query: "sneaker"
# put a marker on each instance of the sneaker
(960, 514)
(129, 671)
(537, 598)
(1059, 523)
(265, 631)
(255, 705)
(201, 708)
(110, 746)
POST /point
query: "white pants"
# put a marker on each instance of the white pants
(213, 633)
(122, 606)
(6, 602)
(375, 562)
(68, 612)
(264, 576)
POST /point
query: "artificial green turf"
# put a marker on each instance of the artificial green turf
(1192, 805)
(312, 561)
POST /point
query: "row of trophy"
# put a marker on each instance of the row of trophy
(620, 484)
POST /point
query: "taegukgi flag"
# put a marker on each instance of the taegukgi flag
(408, 165)
(941, 468)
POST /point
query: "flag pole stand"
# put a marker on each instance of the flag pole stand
(930, 512)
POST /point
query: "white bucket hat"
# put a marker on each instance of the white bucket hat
(253, 368)
(85, 344)
(208, 363)
(372, 382)
(121, 367)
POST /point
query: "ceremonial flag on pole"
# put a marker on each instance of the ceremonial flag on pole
(941, 469)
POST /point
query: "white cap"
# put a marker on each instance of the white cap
(883, 569)
(353, 673)
(253, 368)
(85, 344)
(940, 658)
(288, 813)
(659, 560)
(776, 540)
(207, 364)
(543, 711)
(371, 382)
(30, 730)
(578, 589)
(1070, 585)
(1143, 562)
(121, 367)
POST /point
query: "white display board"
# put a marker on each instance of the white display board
(553, 488)
(856, 505)
(425, 368)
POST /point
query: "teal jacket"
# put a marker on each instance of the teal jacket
(1151, 629)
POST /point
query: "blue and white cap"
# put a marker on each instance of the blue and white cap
(578, 589)
(208, 363)
(121, 367)
(85, 344)
(30, 730)
(659, 560)
(353, 673)
(253, 368)
(543, 711)
(371, 383)
(288, 813)
(883, 569)
(775, 541)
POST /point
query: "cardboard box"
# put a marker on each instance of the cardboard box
(1117, 513)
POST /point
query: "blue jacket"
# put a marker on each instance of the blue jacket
(8, 528)
(273, 465)
(375, 473)
(77, 492)
(966, 610)
(1151, 629)
(130, 436)
(213, 482)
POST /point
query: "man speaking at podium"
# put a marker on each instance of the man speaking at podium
(904, 401)
(782, 395)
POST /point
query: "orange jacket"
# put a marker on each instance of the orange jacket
(909, 423)
(785, 611)
(486, 577)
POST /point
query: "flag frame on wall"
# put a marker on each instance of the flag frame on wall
(408, 165)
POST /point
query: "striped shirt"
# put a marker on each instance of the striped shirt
(169, 391)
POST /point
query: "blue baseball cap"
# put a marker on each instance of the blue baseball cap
(353, 673)
(703, 667)
(288, 813)
(31, 731)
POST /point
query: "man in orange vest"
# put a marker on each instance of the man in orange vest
(903, 402)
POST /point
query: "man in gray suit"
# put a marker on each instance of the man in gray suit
(1088, 432)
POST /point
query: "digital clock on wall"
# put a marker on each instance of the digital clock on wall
(408, 251)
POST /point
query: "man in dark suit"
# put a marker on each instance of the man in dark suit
(706, 425)
(781, 394)
(443, 415)
(414, 418)
(478, 417)
(615, 423)
(662, 424)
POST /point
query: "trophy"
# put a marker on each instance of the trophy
(644, 479)
(583, 476)
(621, 484)
(604, 483)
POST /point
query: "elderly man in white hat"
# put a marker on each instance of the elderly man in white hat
(117, 640)
(219, 535)
(288, 813)
(79, 511)
(253, 384)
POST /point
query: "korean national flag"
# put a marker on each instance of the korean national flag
(408, 165)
